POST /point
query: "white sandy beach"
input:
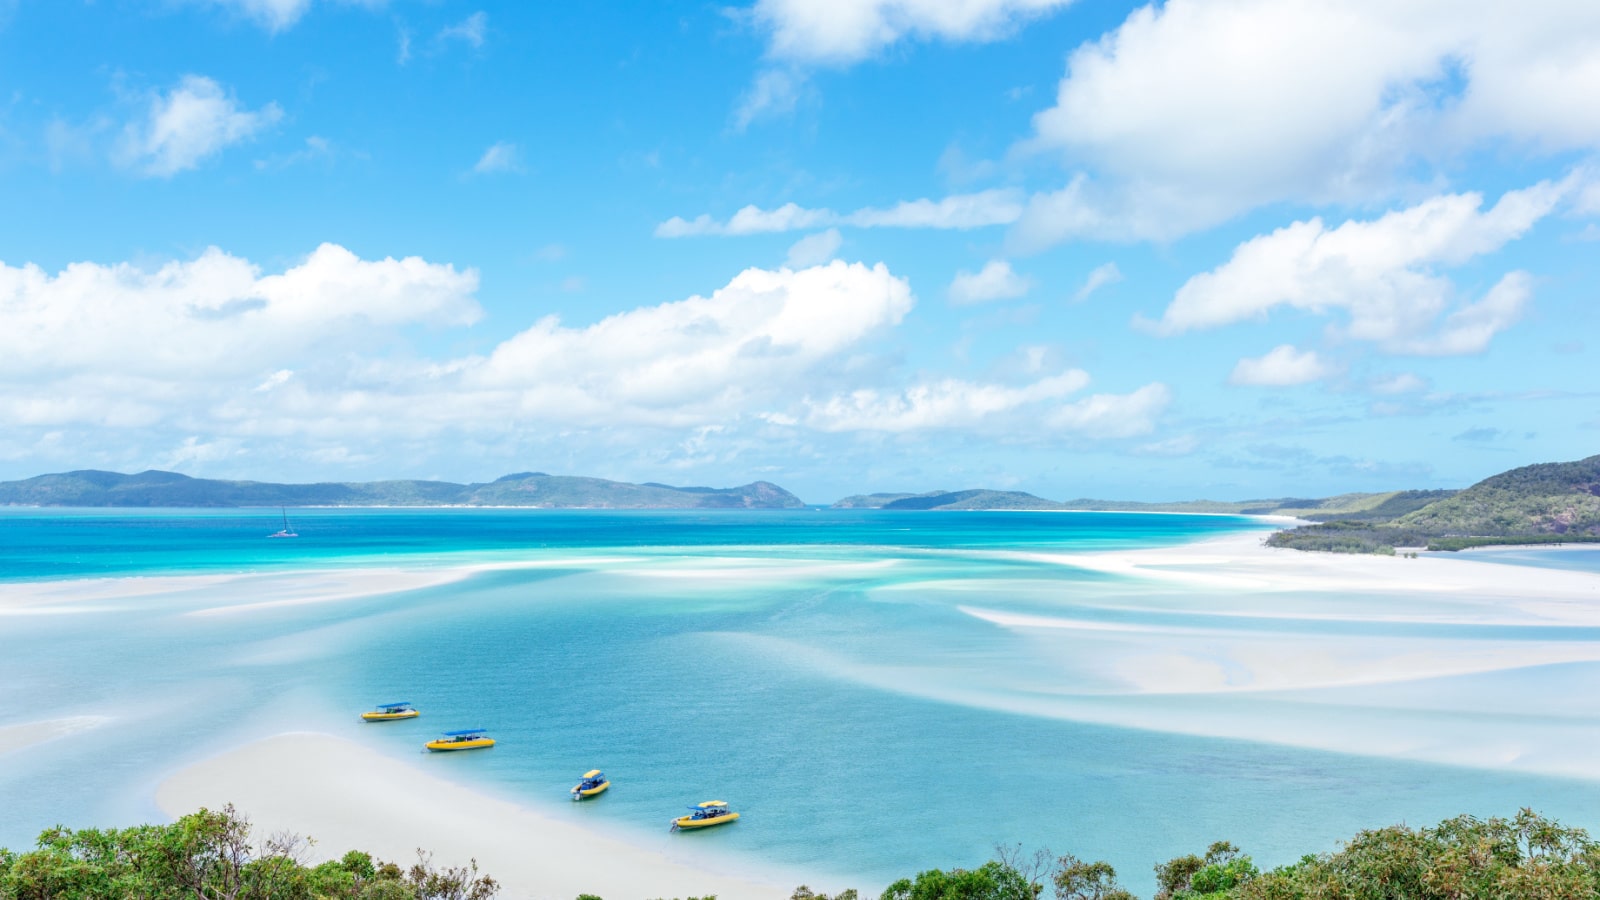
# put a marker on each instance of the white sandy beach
(348, 797)
(1504, 593)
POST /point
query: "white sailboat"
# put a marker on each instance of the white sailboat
(286, 532)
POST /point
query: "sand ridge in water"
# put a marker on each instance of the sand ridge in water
(346, 796)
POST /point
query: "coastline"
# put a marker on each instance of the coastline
(346, 796)
(1242, 560)
(344, 793)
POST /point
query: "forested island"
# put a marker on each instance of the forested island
(1548, 503)
(94, 488)
(215, 854)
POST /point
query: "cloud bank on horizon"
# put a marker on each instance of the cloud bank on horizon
(1222, 247)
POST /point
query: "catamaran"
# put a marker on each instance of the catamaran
(466, 739)
(388, 712)
(704, 815)
(594, 781)
(286, 531)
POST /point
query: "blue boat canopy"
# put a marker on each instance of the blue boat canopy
(465, 731)
(395, 705)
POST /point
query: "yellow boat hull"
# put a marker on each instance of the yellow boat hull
(591, 791)
(389, 717)
(692, 822)
(478, 744)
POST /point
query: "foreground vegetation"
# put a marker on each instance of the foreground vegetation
(1527, 857)
(212, 856)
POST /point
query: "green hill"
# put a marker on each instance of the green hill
(1364, 507)
(92, 487)
(973, 499)
(1540, 504)
(876, 501)
(1550, 498)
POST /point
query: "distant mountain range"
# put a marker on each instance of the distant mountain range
(91, 487)
(1388, 504)
(1546, 503)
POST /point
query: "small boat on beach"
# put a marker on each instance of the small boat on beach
(466, 739)
(704, 815)
(389, 712)
(594, 781)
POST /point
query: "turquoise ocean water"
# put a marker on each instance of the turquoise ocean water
(855, 682)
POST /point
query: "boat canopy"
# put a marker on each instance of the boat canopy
(396, 705)
(465, 731)
(594, 773)
(711, 804)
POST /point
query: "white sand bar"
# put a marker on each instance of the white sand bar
(1507, 594)
(15, 737)
(348, 797)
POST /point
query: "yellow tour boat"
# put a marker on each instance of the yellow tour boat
(594, 781)
(388, 712)
(468, 739)
(704, 815)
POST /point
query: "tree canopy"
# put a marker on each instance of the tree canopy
(213, 855)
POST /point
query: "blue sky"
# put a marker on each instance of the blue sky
(1205, 248)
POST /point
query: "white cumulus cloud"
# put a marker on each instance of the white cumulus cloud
(804, 34)
(942, 404)
(1194, 111)
(995, 281)
(1114, 415)
(202, 360)
(749, 220)
(273, 15)
(698, 359)
(1282, 367)
(212, 317)
(955, 212)
(847, 31)
(1379, 273)
(181, 128)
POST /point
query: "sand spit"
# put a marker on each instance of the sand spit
(347, 796)
(26, 734)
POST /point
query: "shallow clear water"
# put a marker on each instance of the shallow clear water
(1577, 557)
(878, 692)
